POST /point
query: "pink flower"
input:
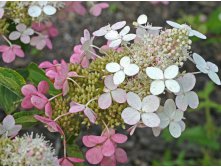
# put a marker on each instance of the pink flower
(10, 52)
(61, 75)
(103, 149)
(51, 124)
(8, 128)
(68, 161)
(36, 98)
(41, 41)
(46, 28)
(76, 107)
(85, 52)
(106, 47)
(111, 91)
(97, 8)
(49, 66)
(75, 7)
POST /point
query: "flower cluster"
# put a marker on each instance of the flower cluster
(121, 84)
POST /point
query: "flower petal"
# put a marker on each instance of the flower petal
(90, 114)
(34, 11)
(14, 35)
(192, 99)
(92, 140)
(8, 56)
(198, 34)
(48, 110)
(130, 116)
(75, 107)
(118, 25)
(154, 73)
(14, 131)
(8, 122)
(125, 61)
(172, 85)
(125, 31)
(112, 35)
(156, 131)
(200, 63)
(150, 103)
(121, 155)
(134, 100)
(105, 101)
(26, 103)
(25, 39)
(43, 87)
(174, 24)
(187, 82)
(157, 87)
(178, 116)
(131, 70)
(108, 161)
(175, 129)
(213, 67)
(119, 138)
(169, 108)
(94, 155)
(108, 148)
(171, 72)
(49, 10)
(129, 37)
(109, 82)
(181, 102)
(150, 119)
(119, 95)
(119, 77)
(142, 19)
(214, 77)
(112, 67)
(28, 90)
(38, 102)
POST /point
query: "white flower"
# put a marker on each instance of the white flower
(2, 4)
(142, 22)
(122, 69)
(188, 28)
(36, 10)
(117, 38)
(207, 67)
(8, 127)
(186, 97)
(141, 110)
(22, 32)
(104, 30)
(172, 117)
(163, 79)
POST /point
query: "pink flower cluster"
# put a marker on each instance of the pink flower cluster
(104, 150)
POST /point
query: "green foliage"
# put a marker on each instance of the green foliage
(10, 89)
(73, 150)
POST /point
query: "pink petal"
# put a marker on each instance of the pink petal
(90, 114)
(25, 39)
(75, 107)
(65, 88)
(49, 43)
(77, 49)
(119, 95)
(51, 74)
(85, 62)
(108, 133)
(94, 155)
(79, 8)
(95, 10)
(8, 56)
(28, 90)
(4, 48)
(105, 101)
(38, 102)
(75, 58)
(59, 81)
(18, 51)
(48, 110)
(65, 162)
(75, 160)
(109, 82)
(26, 103)
(43, 87)
(14, 131)
(46, 64)
(121, 155)
(72, 74)
(8, 122)
(92, 140)
(103, 5)
(53, 32)
(14, 35)
(119, 138)
(108, 148)
(108, 161)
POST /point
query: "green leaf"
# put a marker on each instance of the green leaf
(73, 150)
(37, 75)
(11, 83)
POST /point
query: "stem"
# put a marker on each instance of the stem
(95, 47)
(74, 82)
(95, 55)
(106, 126)
(55, 97)
(62, 116)
(64, 144)
(196, 72)
(7, 40)
(90, 101)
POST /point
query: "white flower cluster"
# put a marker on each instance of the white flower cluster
(161, 47)
(29, 151)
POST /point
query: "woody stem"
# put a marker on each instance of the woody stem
(55, 97)
(62, 116)
(7, 40)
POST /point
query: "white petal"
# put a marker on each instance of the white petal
(142, 19)
(21, 27)
(134, 100)
(14, 35)
(131, 70)
(174, 24)
(112, 35)
(8, 122)
(129, 37)
(178, 116)
(150, 119)
(118, 25)
(105, 101)
(130, 116)
(157, 87)
(119, 95)
(2, 129)
(150, 103)
(198, 34)
(171, 72)
(156, 131)
(125, 61)
(115, 43)
(200, 63)
(125, 31)
(154, 73)
(175, 129)
(28, 31)
(164, 119)
(169, 108)
(101, 32)
(119, 77)
(181, 102)
(187, 82)
(192, 99)
(49, 10)
(112, 67)
(34, 11)
(182, 125)
(172, 86)
(109, 82)
(213, 67)
(214, 77)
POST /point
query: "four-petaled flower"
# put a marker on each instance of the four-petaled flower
(172, 117)
(117, 38)
(9, 52)
(186, 97)
(69, 161)
(121, 70)
(163, 79)
(103, 149)
(188, 28)
(207, 68)
(41, 6)
(36, 97)
(23, 33)
(49, 66)
(89, 113)
(41, 41)
(8, 127)
(111, 91)
(96, 9)
(141, 110)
